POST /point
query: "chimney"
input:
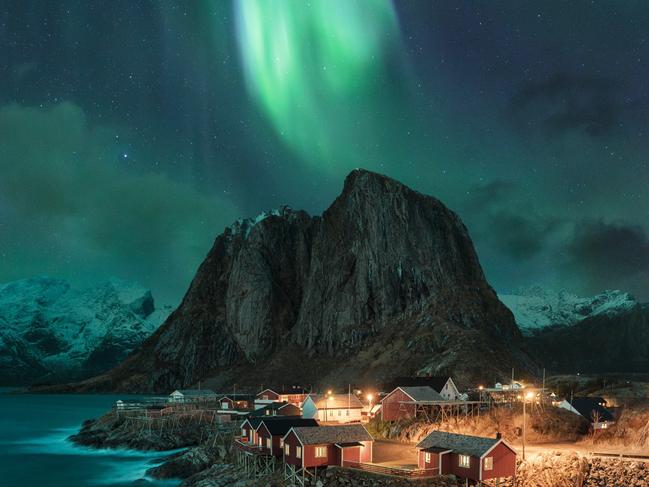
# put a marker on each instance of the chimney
(498, 435)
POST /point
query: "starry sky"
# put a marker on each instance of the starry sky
(133, 132)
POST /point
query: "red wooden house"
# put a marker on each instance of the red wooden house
(271, 431)
(401, 403)
(307, 448)
(249, 429)
(472, 458)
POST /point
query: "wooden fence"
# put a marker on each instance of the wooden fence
(393, 471)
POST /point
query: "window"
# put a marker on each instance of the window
(427, 457)
(250, 436)
(261, 441)
(225, 405)
(265, 397)
(348, 412)
(287, 449)
(489, 463)
(298, 451)
(340, 413)
(268, 443)
(464, 461)
(281, 442)
(321, 452)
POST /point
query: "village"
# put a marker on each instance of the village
(297, 433)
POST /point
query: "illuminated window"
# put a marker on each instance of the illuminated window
(298, 451)
(427, 457)
(321, 452)
(268, 443)
(287, 449)
(261, 441)
(281, 442)
(489, 463)
(464, 461)
(225, 405)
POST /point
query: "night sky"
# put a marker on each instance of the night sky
(132, 132)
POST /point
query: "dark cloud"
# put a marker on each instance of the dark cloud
(70, 207)
(609, 256)
(503, 216)
(562, 103)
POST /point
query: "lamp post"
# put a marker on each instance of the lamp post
(527, 396)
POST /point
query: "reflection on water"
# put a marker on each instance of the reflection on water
(34, 449)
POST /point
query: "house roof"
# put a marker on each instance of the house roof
(336, 401)
(474, 446)
(281, 426)
(437, 382)
(274, 406)
(589, 407)
(347, 433)
(195, 392)
(422, 393)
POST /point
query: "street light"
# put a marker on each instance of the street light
(369, 398)
(527, 397)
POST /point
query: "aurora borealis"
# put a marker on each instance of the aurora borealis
(131, 135)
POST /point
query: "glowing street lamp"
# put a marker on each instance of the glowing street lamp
(528, 396)
(369, 398)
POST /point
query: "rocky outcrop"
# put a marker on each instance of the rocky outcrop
(386, 282)
(51, 331)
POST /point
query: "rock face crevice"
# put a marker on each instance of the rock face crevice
(385, 282)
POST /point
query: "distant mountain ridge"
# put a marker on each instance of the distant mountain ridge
(607, 332)
(536, 308)
(385, 282)
(51, 331)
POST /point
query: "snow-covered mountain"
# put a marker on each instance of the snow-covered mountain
(51, 331)
(536, 308)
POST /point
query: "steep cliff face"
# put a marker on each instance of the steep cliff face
(385, 282)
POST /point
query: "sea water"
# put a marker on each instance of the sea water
(34, 450)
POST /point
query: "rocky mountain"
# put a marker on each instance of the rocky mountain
(604, 342)
(536, 308)
(51, 331)
(385, 283)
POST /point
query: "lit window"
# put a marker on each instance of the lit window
(489, 463)
(224, 405)
(298, 451)
(265, 397)
(427, 457)
(464, 461)
(348, 412)
(321, 452)
(268, 443)
(261, 441)
(281, 442)
(287, 449)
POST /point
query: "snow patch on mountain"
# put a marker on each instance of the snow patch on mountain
(52, 331)
(536, 308)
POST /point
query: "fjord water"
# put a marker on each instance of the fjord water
(34, 450)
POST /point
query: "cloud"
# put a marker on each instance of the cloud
(609, 256)
(503, 217)
(68, 207)
(593, 105)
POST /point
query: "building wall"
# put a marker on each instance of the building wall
(293, 442)
(367, 451)
(264, 435)
(472, 473)
(309, 409)
(392, 409)
(289, 410)
(310, 460)
(434, 461)
(340, 415)
(352, 454)
(504, 463)
(268, 395)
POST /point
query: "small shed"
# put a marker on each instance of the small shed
(327, 446)
(473, 458)
(401, 402)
